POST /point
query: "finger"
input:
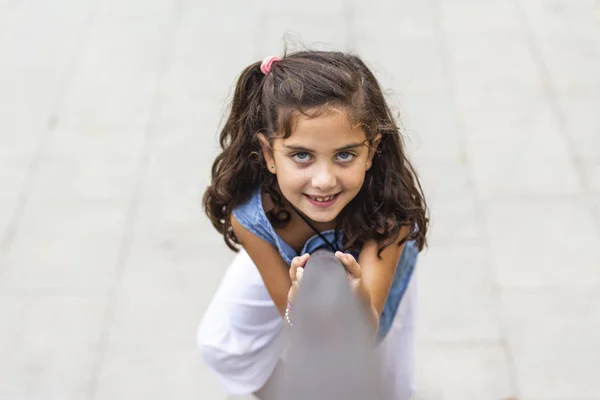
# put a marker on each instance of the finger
(297, 262)
(292, 293)
(299, 274)
(350, 263)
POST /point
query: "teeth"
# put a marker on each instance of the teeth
(322, 199)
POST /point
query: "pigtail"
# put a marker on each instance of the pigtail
(238, 170)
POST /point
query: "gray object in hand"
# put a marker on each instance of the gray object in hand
(331, 349)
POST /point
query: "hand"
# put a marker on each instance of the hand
(355, 275)
(358, 285)
(296, 272)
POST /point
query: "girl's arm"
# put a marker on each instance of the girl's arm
(272, 268)
(378, 273)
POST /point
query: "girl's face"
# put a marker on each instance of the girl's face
(321, 167)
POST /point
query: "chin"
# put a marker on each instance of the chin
(321, 216)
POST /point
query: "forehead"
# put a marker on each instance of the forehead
(331, 129)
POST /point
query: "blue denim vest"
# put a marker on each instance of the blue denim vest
(251, 215)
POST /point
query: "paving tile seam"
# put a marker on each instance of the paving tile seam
(134, 204)
(461, 129)
(11, 232)
(551, 93)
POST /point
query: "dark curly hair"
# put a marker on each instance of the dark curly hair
(309, 83)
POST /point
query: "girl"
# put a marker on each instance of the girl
(311, 159)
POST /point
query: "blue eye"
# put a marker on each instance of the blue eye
(344, 156)
(301, 157)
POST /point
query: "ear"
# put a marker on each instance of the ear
(267, 152)
(373, 149)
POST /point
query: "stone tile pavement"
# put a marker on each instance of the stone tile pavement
(108, 119)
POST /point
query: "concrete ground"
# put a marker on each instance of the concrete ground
(108, 120)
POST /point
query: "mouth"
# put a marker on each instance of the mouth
(322, 201)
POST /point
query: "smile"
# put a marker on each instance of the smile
(322, 199)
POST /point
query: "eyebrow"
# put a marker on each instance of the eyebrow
(346, 147)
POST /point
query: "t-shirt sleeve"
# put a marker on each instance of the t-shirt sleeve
(251, 216)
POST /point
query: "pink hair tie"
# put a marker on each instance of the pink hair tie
(267, 63)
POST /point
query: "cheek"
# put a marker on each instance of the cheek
(353, 178)
(290, 177)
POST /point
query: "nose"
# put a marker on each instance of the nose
(324, 178)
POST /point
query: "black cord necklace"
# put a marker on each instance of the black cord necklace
(305, 219)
